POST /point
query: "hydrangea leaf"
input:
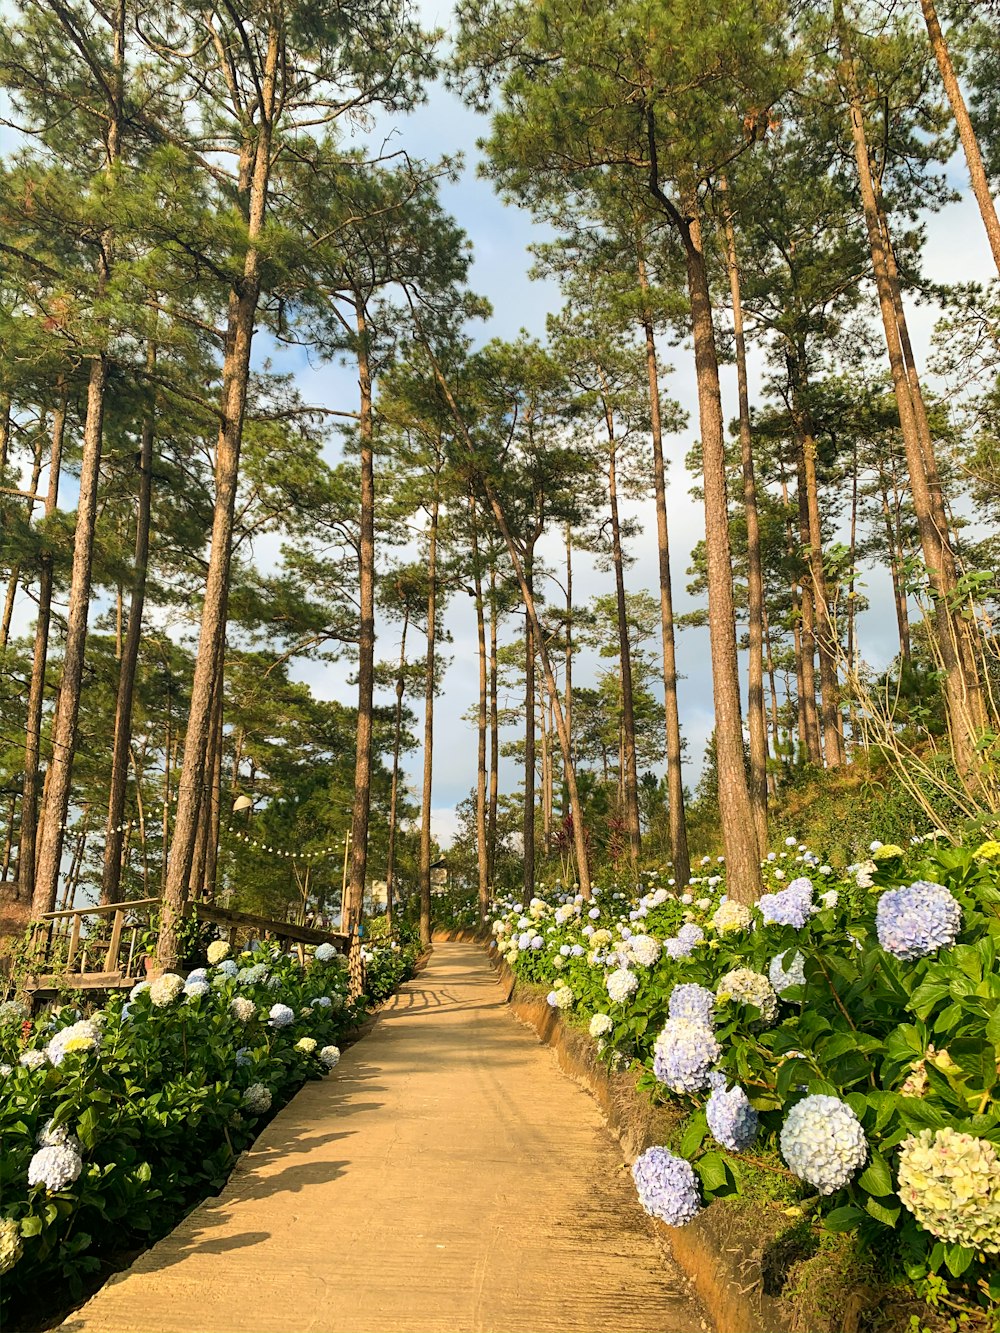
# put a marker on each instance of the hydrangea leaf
(876, 1178)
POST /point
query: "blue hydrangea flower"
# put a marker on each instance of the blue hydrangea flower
(281, 1015)
(667, 1186)
(823, 1142)
(227, 968)
(322, 1002)
(693, 1002)
(195, 988)
(199, 974)
(915, 921)
(782, 976)
(683, 943)
(325, 953)
(793, 906)
(731, 1118)
(684, 1054)
(137, 989)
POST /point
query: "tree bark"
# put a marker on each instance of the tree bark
(496, 508)
(27, 840)
(481, 848)
(494, 792)
(60, 772)
(824, 632)
(361, 808)
(756, 723)
(390, 863)
(735, 808)
(960, 693)
(630, 777)
(111, 875)
(528, 864)
(429, 689)
(243, 300)
(966, 133)
(680, 856)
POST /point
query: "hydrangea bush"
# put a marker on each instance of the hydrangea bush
(848, 1025)
(113, 1125)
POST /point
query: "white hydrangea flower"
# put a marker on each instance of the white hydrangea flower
(55, 1167)
(622, 985)
(950, 1182)
(330, 1056)
(32, 1060)
(217, 951)
(58, 1136)
(730, 917)
(84, 1036)
(194, 989)
(257, 1098)
(165, 989)
(600, 1025)
(749, 987)
(306, 1045)
(645, 950)
(325, 953)
(242, 1009)
(281, 1015)
(823, 1142)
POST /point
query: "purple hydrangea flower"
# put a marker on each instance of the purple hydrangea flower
(793, 906)
(667, 1186)
(684, 1053)
(692, 1002)
(731, 1118)
(684, 941)
(915, 921)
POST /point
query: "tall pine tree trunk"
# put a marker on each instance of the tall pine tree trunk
(111, 874)
(630, 778)
(961, 693)
(527, 596)
(242, 311)
(568, 655)
(429, 688)
(481, 720)
(397, 736)
(27, 841)
(494, 792)
(366, 639)
(60, 772)
(15, 573)
(966, 133)
(824, 630)
(680, 856)
(756, 723)
(528, 868)
(735, 808)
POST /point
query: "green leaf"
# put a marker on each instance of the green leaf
(694, 1135)
(887, 1216)
(877, 1179)
(958, 1258)
(712, 1170)
(843, 1219)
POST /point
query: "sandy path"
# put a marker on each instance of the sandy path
(448, 1178)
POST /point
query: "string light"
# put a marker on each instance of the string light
(279, 851)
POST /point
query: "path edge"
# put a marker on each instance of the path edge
(723, 1267)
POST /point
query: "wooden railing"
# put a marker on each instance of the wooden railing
(105, 948)
(92, 948)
